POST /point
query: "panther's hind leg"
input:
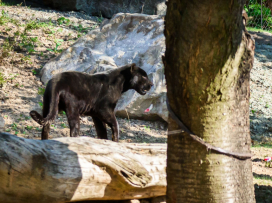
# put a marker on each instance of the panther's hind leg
(45, 132)
(100, 127)
(46, 107)
(73, 120)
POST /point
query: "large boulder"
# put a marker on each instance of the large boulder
(2, 123)
(126, 38)
(107, 8)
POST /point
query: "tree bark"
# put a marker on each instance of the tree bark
(268, 3)
(78, 169)
(207, 61)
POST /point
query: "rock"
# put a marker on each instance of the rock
(126, 38)
(107, 8)
(2, 123)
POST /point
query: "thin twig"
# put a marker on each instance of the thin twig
(201, 141)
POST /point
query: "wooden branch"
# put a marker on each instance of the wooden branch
(77, 169)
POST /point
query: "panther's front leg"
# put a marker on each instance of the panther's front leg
(110, 119)
(100, 127)
(115, 129)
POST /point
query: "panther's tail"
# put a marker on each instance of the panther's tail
(50, 110)
(37, 117)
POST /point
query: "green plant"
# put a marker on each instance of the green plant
(265, 145)
(26, 58)
(256, 12)
(28, 42)
(34, 72)
(100, 19)
(2, 80)
(52, 125)
(31, 25)
(63, 125)
(41, 90)
(7, 47)
(13, 76)
(63, 112)
(29, 127)
(59, 30)
(63, 20)
(80, 28)
(57, 44)
(253, 111)
(41, 104)
(14, 126)
(4, 18)
(147, 128)
(266, 105)
(49, 31)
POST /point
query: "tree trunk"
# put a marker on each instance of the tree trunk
(268, 3)
(78, 169)
(208, 60)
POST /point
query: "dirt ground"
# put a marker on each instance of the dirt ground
(21, 90)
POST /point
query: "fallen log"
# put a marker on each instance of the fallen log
(79, 169)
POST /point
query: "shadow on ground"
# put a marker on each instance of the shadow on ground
(263, 193)
(31, 3)
(261, 128)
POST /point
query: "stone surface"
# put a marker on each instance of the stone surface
(126, 38)
(107, 8)
(2, 123)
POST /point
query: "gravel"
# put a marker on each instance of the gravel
(260, 93)
(25, 14)
(261, 74)
(20, 94)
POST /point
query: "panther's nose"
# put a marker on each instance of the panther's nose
(151, 84)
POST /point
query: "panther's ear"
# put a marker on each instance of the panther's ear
(133, 67)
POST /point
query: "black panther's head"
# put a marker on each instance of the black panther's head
(139, 80)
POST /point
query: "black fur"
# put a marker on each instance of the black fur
(95, 95)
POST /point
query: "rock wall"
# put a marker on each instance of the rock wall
(107, 8)
(126, 38)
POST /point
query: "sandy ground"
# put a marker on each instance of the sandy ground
(22, 90)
